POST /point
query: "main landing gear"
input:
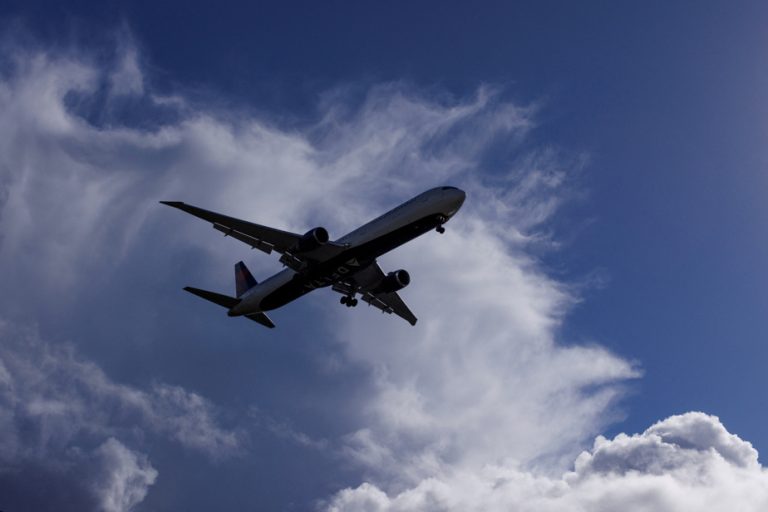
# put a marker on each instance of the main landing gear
(349, 301)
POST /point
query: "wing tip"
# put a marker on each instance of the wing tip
(175, 204)
(262, 319)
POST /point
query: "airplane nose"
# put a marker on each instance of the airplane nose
(458, 197)
(455, 199)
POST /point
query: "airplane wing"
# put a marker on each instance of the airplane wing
(391, 303)
(365, 282)
(264, 238)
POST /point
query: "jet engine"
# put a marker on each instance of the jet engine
(312, 239)
(394, 281)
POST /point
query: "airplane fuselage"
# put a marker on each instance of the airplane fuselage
(423, 213)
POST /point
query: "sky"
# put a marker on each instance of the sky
(592, 324)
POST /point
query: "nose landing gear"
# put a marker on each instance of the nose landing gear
(442, 220)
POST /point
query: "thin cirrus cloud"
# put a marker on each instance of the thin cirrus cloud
(461, 408)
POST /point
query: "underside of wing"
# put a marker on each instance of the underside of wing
(264, 238)
(391, 303)
(261, 318)
(366, 282)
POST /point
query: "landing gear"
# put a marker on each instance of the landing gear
(348, 301)
(442, 220)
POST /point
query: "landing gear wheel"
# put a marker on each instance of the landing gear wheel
(440, 229)
(348, 301)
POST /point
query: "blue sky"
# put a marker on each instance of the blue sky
(615, 160)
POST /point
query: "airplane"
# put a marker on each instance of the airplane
(348, 265)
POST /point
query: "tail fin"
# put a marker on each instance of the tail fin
(244, 281)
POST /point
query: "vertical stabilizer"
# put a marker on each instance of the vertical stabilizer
(244, 281)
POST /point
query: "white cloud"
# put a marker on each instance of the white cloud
(127, 78)
(482, 378)
(124, 477)
(51, 398)
(684, 463)
(62, 416)
(668, 446)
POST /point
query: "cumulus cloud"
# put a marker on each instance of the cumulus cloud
(61, 417)
(461, 407)
(668, 446)
(109, 478)
(483, 379)
(51, 396)
(684, 463)
(123, 478)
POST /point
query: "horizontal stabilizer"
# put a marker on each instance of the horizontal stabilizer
(216, 298)
(262, 319)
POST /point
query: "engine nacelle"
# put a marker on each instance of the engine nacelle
(394, 281)
(312, 239)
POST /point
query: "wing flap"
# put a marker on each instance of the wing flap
(253, 234)
(391, 303)
(255, 243)
(366, 280)
(263, 238)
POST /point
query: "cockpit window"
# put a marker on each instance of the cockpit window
(448, 188)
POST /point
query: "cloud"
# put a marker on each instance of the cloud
(108, 478)
(481, 378)
(51, 396)
(124, 477)
(127, 77)
(666, 447)
(61, 419)
(481, 406)
(684, 463)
